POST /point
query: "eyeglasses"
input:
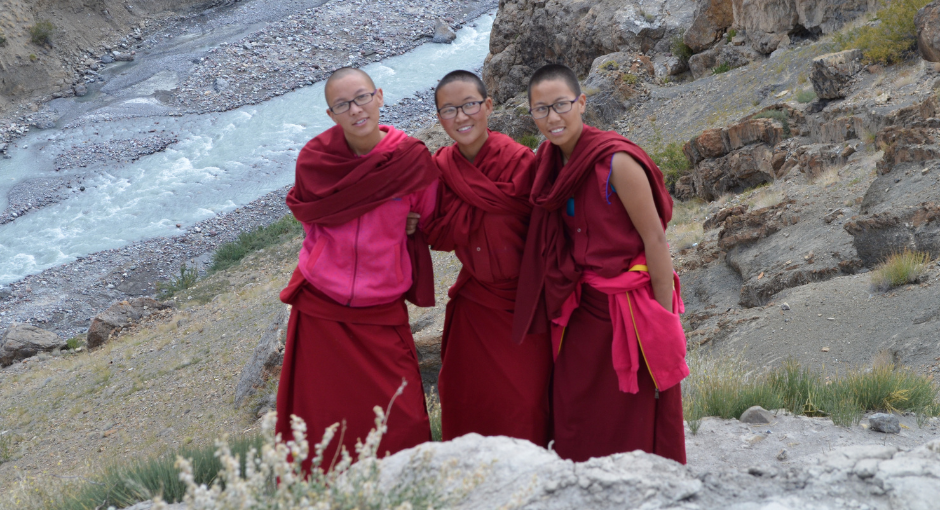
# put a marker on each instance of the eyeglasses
(449, 112)
(540, 112)
(362, 99)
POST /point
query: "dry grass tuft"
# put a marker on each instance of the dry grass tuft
(685, 228)
(899, 269)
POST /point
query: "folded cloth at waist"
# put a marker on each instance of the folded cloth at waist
(643, 329)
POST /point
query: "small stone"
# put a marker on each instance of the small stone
(883, 422)
(825, 349)
(785, 306)
(782, 455)
(756, 415)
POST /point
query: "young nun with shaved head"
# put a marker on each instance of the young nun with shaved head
(487, 384)
(349, 344)
(597, 265)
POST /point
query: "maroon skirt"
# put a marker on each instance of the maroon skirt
(488, 384)
(341, 362)
(592, 417)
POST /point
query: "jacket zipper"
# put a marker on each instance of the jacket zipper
(352, 291)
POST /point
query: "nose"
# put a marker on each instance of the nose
(551, 111)
(461, 112)
(354, 108)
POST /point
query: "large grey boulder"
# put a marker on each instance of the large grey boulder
(528, 34)
(832, 73)
(443, 33)
(265, 363)
(22, 341)
(118, 317)
(517, 474)
(767, 23)
(927, 22)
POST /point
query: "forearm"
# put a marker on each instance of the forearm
(659, 263)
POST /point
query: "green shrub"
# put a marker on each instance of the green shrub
(186, 279)
(731, 34)
(806, 95)
(434, 415)
(889, 41)
(3, 39)
(232, 253)
(723, 67)
(631, 79)
(679, 48)
(41, 32)
(779, 116)
(74, 343)
(899, 269)
(139, 480)
(7, 446)
(722, 386)
(610, 65)
(531, 141)
(671, 160)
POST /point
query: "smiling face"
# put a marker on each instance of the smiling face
(561, 129)
(359, 122)
(469, 131)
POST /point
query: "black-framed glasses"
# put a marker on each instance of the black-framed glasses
(540, 112)
(449, 112)
(361, 99)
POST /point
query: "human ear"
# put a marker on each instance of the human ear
(380, 97)
(332, 116)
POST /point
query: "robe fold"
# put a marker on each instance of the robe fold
(580, 234)
(488, 384)
(341, 361)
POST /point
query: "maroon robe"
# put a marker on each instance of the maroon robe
(488, 384)
(340, 361)
(592, 417)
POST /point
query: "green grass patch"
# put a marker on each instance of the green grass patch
(630, 79)
(899, 269)
(679, 48)
(232, 253)
(7, 446)
(806, 95)
(779, 116)
(671, 160)
(892, 39)
(186, 279)
(434, 414)
(724, 387)
(74, 343)
(41, 32)
(3, 39)
(530, 141)
(139, 480)
(731, 34)
(723, 67)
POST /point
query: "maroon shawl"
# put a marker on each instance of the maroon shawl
(549, 273)
(500, 184)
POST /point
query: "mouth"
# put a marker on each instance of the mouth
(361, 122)
(557, 131)
(464, 129)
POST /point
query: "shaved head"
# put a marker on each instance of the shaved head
(461, 75)
(552, 72)
(342, 73)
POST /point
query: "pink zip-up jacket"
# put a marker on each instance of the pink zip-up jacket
(365, 262)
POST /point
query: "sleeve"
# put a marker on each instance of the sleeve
(423, 203)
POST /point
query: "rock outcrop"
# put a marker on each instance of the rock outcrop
(927, 22)
(615, 82)
(770, 24)
(22, 341)
(732, 159)
(443, 33)
(712, 18)
(832, 73)
(266, 360)
(519, 474)
(530, 33)
(118, 317)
